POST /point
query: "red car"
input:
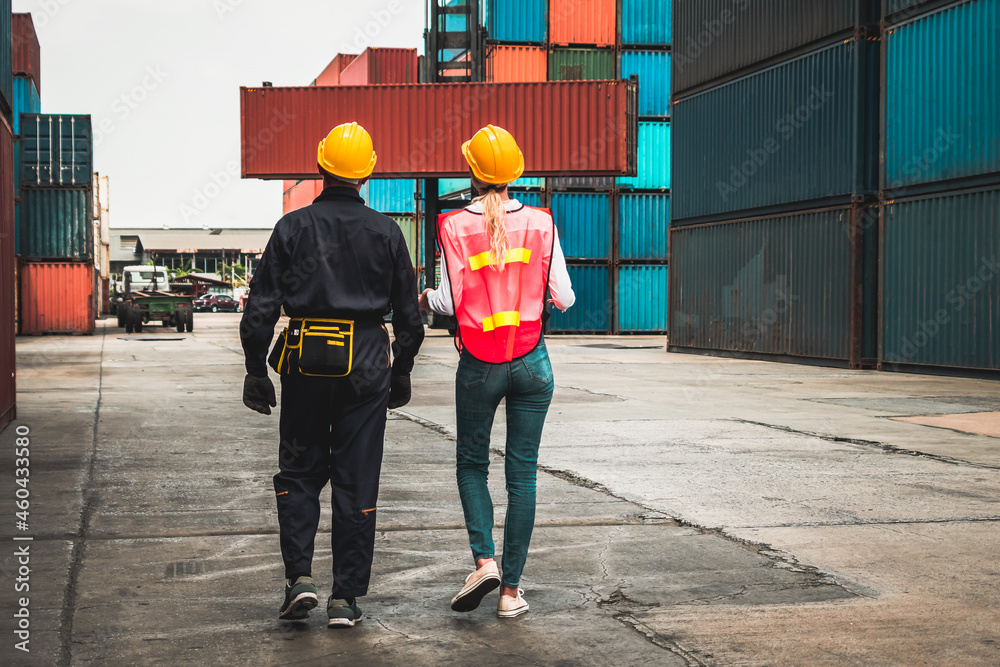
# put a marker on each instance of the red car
(216, 302)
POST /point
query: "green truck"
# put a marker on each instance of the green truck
(140, 302)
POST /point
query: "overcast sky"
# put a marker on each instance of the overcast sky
(161, 80)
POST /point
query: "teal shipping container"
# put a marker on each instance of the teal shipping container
(901, 10)
(581, 65)
(517, 20)
(803, 132)
(941, 281)
(646, 21)
(26, 100)
(528, 197)
(715, 39)
(942, 88)
(584, 224)
(593, 311)
(643, 226)
(582, 183)
(653, 70)
(390, 195)
(56, 223)
(642, 298)
(56, 151)
(6, 60)
(777, 285)
(653, 158)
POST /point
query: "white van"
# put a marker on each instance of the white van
(143, 279)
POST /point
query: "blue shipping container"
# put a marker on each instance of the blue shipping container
(592, 311)
(446, 186)
(646, 21)
(517, 20)
(26, 100)
(799, 131)
(653, 159)
(642, 298)
(527, 198)
(643, 226)
(584, 223)
(56, 151)
(56, 223)
(653, 69)
(390, 195)
(943, 95)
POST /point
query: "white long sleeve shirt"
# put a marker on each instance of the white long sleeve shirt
(560, 286)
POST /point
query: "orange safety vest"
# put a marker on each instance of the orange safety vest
(499, 313)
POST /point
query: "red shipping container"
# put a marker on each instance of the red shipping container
(57, 297)
(26, 54)
(8, 279)
(564, 128)
(575, 22)
(516, 64)
(376, 66)
(331, 75)
(300, 195)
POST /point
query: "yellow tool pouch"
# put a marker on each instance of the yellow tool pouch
(315, 347)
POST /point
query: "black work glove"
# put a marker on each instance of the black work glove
(258, 394)
(399, 391)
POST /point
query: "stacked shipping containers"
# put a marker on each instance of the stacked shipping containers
(8, 276)
(613, 232)
(775, 162)
(940, 224)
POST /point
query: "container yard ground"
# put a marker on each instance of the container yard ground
(692, 510)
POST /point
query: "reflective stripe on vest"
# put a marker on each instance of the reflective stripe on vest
(509, 318)
(487, 258)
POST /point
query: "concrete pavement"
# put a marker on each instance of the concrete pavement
(692, 510)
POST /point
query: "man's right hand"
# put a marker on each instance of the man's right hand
(258, 394)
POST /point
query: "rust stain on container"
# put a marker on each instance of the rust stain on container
(516, 64)
(563, 128)
(57, 297)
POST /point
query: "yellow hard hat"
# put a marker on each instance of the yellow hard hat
(494, 156)
(347, 152)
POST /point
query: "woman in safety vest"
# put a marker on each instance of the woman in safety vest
(498, 258)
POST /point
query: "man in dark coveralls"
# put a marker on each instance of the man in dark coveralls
(337, 267)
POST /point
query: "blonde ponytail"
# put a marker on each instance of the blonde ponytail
(495, 215)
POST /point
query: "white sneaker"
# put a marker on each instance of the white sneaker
(477, 585)
(510, 607)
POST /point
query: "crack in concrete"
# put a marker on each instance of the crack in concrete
(660, 640)
(874, 444)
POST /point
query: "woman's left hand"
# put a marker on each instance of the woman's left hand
(424, 302)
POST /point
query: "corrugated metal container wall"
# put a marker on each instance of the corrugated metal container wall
(582, 182)
(528, 198)
(26, 54)
(8, 274)
(6, 67)
(643, 226)
(646, 21)
(592, 311)
(330, 76)
(775, 285)
(441, 115)
(653, 158)
(653, 69)
(573, 22)
(56, 151)
(56, 223)
(584, 223)
(57, 297)
(408, 225)
(517, 20)
(300, 195)
(713, 38)
(379, 66)
(507, 63)
(581, 65)
(909, 7)
(941, 281)
(447, 186)
(390, 195)
(26, 100)
(943, 95)
(642, 298)
(791, 133)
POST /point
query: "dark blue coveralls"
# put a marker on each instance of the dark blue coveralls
(334, 259)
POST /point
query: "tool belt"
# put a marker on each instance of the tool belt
(315, 347)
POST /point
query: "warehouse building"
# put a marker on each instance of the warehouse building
(206, 251)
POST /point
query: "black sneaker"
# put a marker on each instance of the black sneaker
(300, 597)
(342, 613)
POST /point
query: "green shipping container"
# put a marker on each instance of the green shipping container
(581, 65)
(56, 223)
(408, 224)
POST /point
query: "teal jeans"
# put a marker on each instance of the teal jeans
(527, 385)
